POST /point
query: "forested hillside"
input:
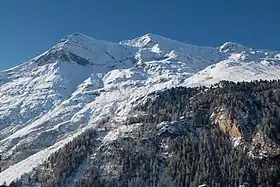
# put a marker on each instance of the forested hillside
(225, 135)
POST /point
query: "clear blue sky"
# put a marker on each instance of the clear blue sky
(29, 27)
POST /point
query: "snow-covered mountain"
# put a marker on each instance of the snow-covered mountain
(82, 82)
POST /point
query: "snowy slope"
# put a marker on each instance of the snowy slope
(243, 64)
(81, 82)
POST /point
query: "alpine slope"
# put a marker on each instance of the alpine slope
(80, 82)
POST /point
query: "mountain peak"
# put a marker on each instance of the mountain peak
(154, 36)
(78, 35)
(232, 47)
(149, 40)
(74, 38)
(139, 41)
(84, 50)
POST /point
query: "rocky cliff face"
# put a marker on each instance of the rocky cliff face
(264, 147)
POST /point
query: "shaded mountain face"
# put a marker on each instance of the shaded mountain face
(93, 96)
